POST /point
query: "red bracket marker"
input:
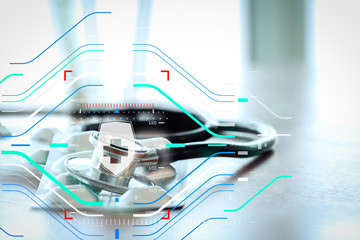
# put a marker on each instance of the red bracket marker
(67, 218)
(66, 71)
(167, 71)
(168, 215)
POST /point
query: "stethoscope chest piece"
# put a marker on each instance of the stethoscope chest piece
(116, 159)
(120, 162)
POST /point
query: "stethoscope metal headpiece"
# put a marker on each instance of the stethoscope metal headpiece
(117, 154)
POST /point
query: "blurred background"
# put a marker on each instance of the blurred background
(296, 61)
(305, 47)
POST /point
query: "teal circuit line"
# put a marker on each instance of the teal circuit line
(184, 110)
(43, 209)
(192, 210)
(11, 75)
(217, 175)
(202, 224)
(175, 145)
(173, 218)
(187, 175)
(90, 14)
(90, 44)
(253, 197)
(58, 145)
(142, 44)
(243, 99)
(183, 76)
(98, 85)
(52, 178)
(33, 194)
(217, 145)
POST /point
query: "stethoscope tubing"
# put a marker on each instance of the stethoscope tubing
(264, 138)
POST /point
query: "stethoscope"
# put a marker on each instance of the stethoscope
(117, 156)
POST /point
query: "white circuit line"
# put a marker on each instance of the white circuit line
(85, 61)
(243, 153)
(243, 179)
(277, 134)
(19, 110)
(225, 124)
(160, 66)
(262, 104)
(36, 98)
(33, 198)
(216, 123)
(19, 165)
(72, 82)
(18, 175)
(187, 187)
